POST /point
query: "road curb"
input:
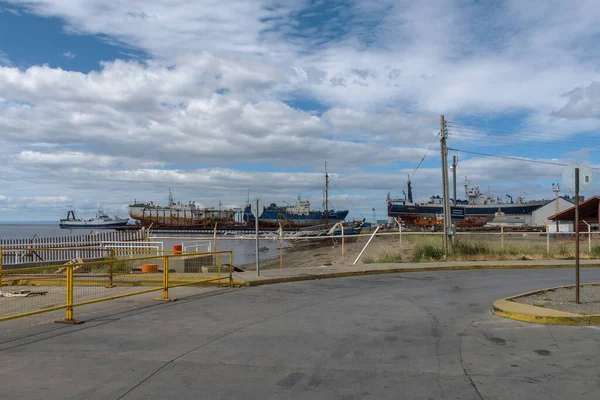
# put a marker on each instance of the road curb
(508, 308)
(297, 278)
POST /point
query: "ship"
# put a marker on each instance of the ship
(479, 208)
(294, 217)
(298, 216)
(181, 215)
(101, 221)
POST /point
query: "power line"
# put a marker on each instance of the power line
(512, 158)
(424, 156)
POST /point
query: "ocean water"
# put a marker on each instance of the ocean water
(243, 250)
(28, 231)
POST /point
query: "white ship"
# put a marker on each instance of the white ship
(101, 221)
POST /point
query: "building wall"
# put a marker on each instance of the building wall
(540, 216)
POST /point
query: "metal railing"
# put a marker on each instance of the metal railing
(44, 288)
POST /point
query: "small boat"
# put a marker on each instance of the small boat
(101, 221)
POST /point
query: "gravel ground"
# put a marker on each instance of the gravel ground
(563, 299)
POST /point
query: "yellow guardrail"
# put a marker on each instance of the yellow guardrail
(44, 287)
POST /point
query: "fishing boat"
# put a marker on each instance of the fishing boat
(479, 208)
(101, 221)
(297, 216)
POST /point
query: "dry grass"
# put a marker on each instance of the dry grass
(421, 248)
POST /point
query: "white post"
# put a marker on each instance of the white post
(342, 226)
(366, 245)
(589, 236)
(280, 247)
(399, 222)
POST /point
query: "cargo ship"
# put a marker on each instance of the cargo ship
(181, 215)
(101, 221)
(294, 217)
(479, 208)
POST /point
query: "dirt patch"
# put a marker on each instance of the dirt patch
(563, 299)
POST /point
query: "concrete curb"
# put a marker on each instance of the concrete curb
(508, 308)
(297, 278)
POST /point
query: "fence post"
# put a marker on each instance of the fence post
(215, 238)
(220, 262)
(501, 236)
(111, 268)
(548, 240)
(342, 226)
(399, 222)
(230, 268)
(69, 289)
(280, 247)
(589, 237)
(0, 267)
(165, 296)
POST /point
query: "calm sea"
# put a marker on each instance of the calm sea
(243, 250)
(27, 231)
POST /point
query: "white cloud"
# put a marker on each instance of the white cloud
(211, 95)
(69, 55)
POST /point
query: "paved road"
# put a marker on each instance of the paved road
(410, 336)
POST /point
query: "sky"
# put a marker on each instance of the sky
(103, 103)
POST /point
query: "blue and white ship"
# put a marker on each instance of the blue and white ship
(294, 217)
(479, 208)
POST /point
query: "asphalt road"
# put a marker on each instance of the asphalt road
(399, 336)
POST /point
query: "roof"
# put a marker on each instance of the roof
(588, 208)
(569, 199)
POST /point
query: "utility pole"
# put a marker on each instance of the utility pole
(445, 185)
(454, 164)
(326, 198)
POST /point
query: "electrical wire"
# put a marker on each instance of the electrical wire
(348, 200)
(513, 158)
(424, 156)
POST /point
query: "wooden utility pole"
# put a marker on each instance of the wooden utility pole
(577, 235)
(326, 198)
(445, 185)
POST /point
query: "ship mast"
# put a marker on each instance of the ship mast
(326, 198)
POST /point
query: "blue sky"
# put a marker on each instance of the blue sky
(102, 103)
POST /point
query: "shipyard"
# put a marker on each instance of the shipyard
(265, 199)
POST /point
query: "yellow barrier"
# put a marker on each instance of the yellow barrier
(48, 288)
